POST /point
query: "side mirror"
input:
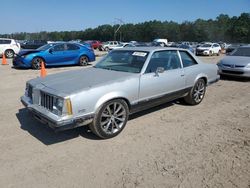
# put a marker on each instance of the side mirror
(50, 51)
(159, 70)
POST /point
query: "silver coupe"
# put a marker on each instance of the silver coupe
(123, 82)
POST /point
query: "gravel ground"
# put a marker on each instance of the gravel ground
(173, 145)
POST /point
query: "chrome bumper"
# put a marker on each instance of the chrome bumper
(52, 120)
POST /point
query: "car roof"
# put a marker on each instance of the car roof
(147, 49)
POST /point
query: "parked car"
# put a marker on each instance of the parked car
(233, 47)
(95, 44)
(162, 42)
(188, 47)
(9, 47)
(33, 44)
(208, 49)
(237, 63)
(54, 54)
(109, 45)
(125, 81)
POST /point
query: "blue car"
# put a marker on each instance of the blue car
(54, 54)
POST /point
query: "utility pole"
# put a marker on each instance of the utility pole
(120, 21)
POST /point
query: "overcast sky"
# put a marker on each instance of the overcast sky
(67, 15)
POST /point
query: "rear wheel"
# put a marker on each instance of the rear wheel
(36, 63)
(197, 93)
(110, 119)
(9, 53)
(83, 61)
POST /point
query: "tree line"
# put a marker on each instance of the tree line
(223, 28)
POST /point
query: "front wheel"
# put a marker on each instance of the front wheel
(36, 63)
(111, 119)
(83, 61)
(197, 93)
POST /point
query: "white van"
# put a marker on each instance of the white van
(9, 47)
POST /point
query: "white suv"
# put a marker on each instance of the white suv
(9, 47)
(209, 49)
(109, 45)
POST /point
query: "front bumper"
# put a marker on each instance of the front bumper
(199, 52)
(19, 62)
(53, 121)
(236, 72)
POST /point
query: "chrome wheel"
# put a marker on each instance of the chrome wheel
(36, 63)
(199, 92)
(83, 60)
(113, 118)
(9, 53)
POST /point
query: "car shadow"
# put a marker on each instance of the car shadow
(47, 135)
(234, 78)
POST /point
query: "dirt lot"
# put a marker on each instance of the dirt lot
(172, 145)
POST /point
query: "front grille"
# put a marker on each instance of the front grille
(232, 72)
(30, 90)
(47, 101)
(232, 66)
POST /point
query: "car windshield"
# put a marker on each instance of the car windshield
(241, 52)
(45, 47)
(125, 61)
(206, 45)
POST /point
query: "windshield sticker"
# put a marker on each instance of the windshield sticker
(141, 54)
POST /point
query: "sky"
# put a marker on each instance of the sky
(68, 15)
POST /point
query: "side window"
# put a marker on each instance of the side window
(5, 41)
(1, 41)
(187, 59)
(58, 48)
(169, 60)
(72, 47)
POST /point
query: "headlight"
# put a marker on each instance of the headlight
(62, 106)
(58, 104)
(248, 66)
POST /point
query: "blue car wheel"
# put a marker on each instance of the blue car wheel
(83, 61)
(36, 63)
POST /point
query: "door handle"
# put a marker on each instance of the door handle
(182, 75)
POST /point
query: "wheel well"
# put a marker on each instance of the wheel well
(9, 50)
(122, 98)
(41, 58)
(205, 79)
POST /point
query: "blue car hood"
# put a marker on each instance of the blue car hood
(26, 52)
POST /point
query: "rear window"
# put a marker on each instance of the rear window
(5, 41)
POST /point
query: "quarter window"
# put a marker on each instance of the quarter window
(168, 60)
(187, 60)
(72, 47)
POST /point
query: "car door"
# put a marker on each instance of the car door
(72, 53)
(167, 84)
(56, 55)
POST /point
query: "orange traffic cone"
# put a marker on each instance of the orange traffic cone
(43, 70)
(4, 61)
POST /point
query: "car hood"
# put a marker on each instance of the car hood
(26, 52)
(239, 60)
(203, 48)
(71, 82)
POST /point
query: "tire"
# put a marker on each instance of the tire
(210, 53)
(219, 52)
(110, 119)
(36, 63)
(197, 93)
(83, 60)
(9, 53)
